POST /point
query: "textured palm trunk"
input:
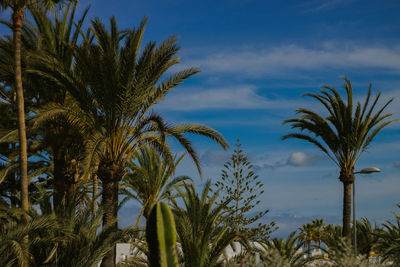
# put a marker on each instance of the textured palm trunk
(347, 186)
(71, 184)
(110, 175)
(110, 206)
(14, 186)
(59, 181)
(71, 192)
(17, 18)
(95, 189)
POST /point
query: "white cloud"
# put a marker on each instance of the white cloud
(302, 159)
(285, 59)
(320, 5)
(295, 159)
(238, 97)
(241, 97)
(298, 159)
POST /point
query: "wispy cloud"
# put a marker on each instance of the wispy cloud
(322, 5)
(237, 97)
(286, 59)
(240, 97)
(295, 159)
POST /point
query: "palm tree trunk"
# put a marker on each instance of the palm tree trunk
(17, 17)
(110, 175)
(71, 183)
(110, 207)
(347, 186)
(95, 189)
(14, 185)
(59, 181)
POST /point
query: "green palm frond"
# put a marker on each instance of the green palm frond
(347, 130)
(150, 177)
(198, 223)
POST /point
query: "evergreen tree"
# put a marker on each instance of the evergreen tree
(240, 184)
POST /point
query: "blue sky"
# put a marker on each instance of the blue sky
(257, 59)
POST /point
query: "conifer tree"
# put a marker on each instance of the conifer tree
(239, 183)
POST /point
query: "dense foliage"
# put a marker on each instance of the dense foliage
(82, 130)
(242, 189)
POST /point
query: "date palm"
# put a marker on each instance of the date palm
(86, 243)
(201, 233)
(289, 249)
(115, 88)
(343, 134)
(367, 237)
(15, 248)
(151, 178)
(388, 243)
(306, 236)
(57, 37)
(18, 9)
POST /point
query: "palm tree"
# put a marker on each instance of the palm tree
(288, 249)
(201, 233)
(57, 37)
(306, 235)
(88, 244)
(18, 9)
(332, 236)
(8, 180)
(343, 135)
(319, 231)
(150, 178)
(367, 237)
(342, 255)
(14, 246)
(116, 89)
(389, 240)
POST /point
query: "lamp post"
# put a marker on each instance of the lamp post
(363, 171)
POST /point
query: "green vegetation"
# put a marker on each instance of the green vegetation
(82, 130)
(161, 236)
(200, 227)
(345, 132)
(241, 189)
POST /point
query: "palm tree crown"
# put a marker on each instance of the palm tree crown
(151, 178)
(115, 88)
(201, 233)
(343, 134)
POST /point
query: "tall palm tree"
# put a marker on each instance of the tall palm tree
(201, 233)
(18, 9)
(151, 178)
(115, 89)
(57, 37)
(343, 134)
